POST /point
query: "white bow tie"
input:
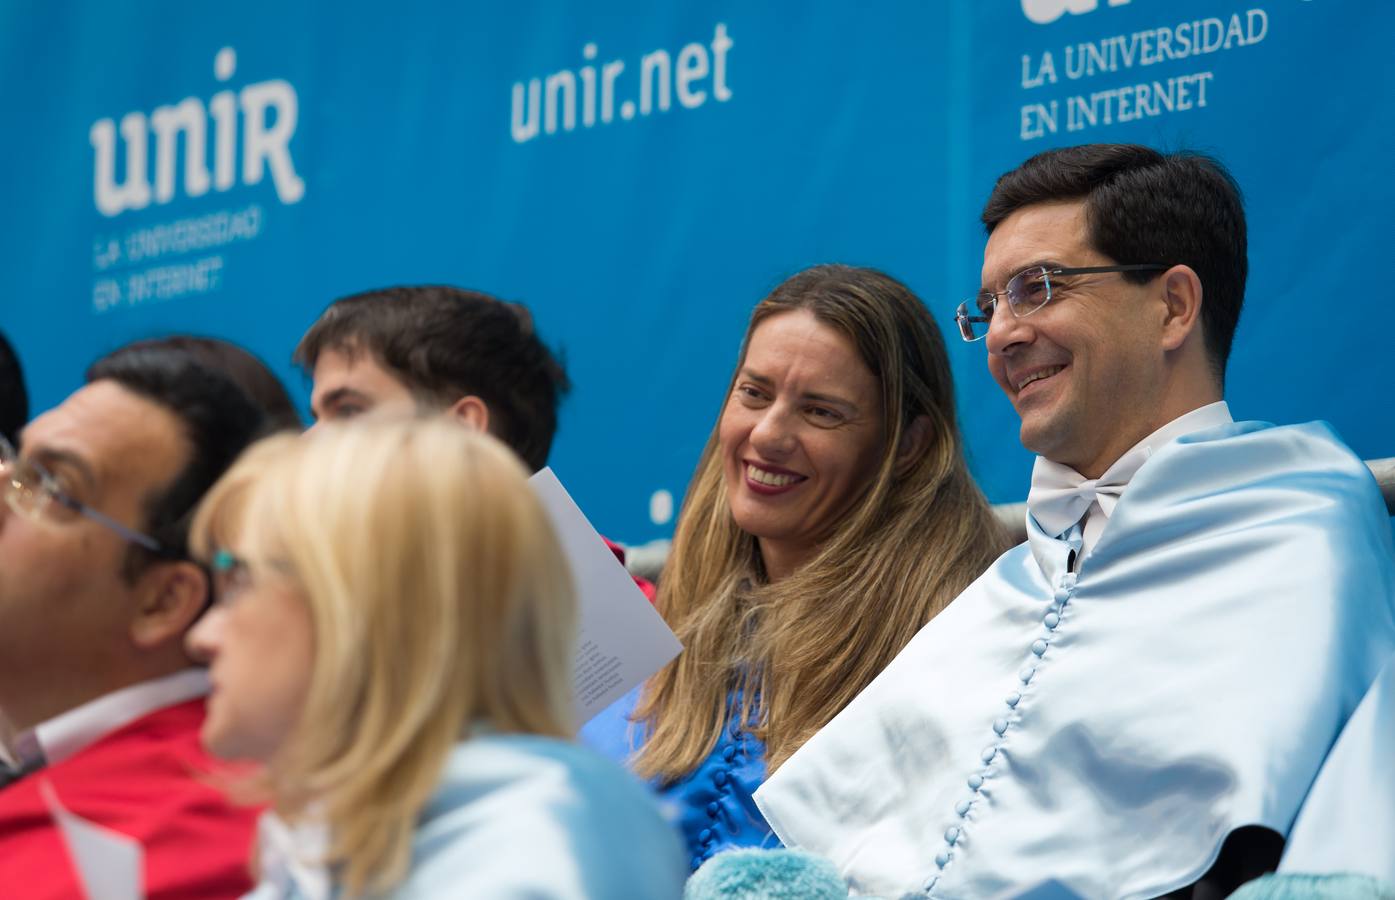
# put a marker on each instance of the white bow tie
(1061, 496)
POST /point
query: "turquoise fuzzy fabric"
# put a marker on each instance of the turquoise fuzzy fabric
(748, 874)
(791, 875)
(1314, 887)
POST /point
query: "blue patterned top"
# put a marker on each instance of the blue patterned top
(712, 805)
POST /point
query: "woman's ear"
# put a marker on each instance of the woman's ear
(915, 440)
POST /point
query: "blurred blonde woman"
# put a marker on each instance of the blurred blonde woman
(830, 517)
(392, 640)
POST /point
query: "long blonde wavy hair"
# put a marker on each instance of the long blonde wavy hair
(439, 599)
(801, 648)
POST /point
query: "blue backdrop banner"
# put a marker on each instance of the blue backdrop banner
(642, 174)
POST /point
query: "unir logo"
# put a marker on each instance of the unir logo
(268, 120)
(1044, 12)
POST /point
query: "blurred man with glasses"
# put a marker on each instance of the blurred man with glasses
(1134, 702)
(96, 593)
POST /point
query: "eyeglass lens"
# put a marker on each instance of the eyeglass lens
(25, 483)
(1026, 292)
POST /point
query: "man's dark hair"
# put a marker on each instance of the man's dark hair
(1142, 206)
(14, 400)
(444, 343)
(248, 372)
(218, 418)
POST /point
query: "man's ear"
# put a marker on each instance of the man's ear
(472, 411)
(173, 594)
(915, 440)
(1181, 289)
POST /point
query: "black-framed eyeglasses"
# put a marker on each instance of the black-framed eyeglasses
(1026, 292)
(31, 491)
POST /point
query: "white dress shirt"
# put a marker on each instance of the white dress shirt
(68, 733)
(1060, 494)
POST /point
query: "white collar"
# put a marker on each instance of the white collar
(67, 733)
(292, 857)
(1060, 495)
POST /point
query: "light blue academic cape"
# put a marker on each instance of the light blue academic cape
(1104, 730)
(522, 817)
(1347, 824)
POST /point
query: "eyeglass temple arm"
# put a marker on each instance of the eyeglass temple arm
(129, 534)
(1100, 270)
(1076, 270)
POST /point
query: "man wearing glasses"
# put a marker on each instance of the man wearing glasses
(1134, 702)
(96, 592)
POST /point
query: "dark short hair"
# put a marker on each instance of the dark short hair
(219, 421)
(1143, 206)
(244, 368)
(14, 400)
(444, 343)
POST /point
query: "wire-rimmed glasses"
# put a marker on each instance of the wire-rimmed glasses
(1026, 292)
(31, 491)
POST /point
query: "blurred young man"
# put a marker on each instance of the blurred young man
(439, 349)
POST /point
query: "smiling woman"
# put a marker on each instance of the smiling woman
(830, 517)
(800, 436)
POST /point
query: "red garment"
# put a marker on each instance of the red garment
(650, 591)
(143, 781)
